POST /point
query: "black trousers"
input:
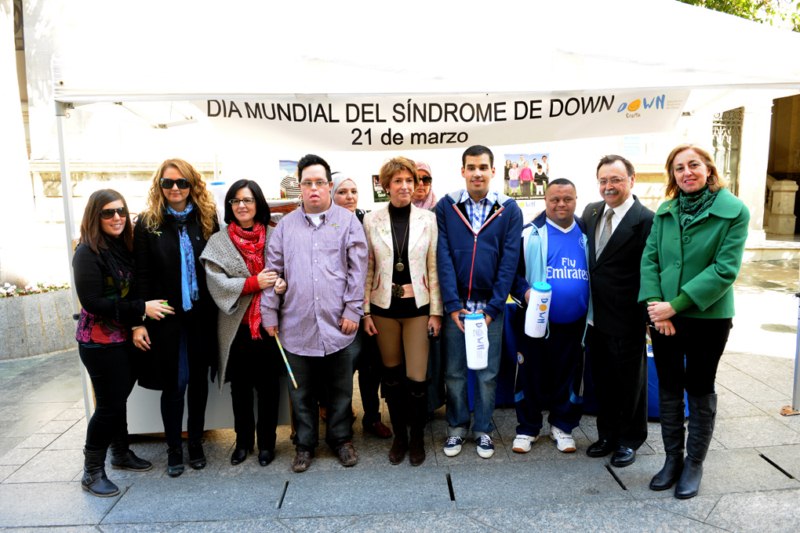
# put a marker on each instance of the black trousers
(193, 395)
(110, 369)
(368, 364)
(254, 365)
(619, 372)
(697, 341)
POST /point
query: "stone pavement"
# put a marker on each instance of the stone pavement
(750, 484)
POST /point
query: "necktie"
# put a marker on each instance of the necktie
(606, 233)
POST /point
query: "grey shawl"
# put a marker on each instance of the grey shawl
(226, 273)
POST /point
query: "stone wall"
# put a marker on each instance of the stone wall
(36, 324)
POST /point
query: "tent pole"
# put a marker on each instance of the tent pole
(66, 193)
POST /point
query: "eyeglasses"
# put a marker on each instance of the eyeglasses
(182, 183)
(108, 214)
(315, 183)
(426, 181)
(236, 201)
(613, 181)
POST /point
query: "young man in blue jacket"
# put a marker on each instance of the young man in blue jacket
(477, 258)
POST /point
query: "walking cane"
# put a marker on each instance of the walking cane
(286, 362)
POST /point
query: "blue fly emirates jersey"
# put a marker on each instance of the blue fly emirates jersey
(567, 273)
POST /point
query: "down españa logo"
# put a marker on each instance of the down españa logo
(635, 108)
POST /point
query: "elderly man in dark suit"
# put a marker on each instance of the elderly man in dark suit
(617, 228)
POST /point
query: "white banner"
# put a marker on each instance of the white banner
(444, 120)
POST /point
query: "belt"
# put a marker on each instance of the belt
(402, 291)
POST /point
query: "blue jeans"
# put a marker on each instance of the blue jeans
(457, 412)
(329, 379)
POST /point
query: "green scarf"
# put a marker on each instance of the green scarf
(694, 204)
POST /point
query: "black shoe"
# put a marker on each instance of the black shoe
(265, 457)
(238, 456)
(689, 483)
(601, 448)
(129, 461)
(197, 459)
(174, 462)
(623, 456)
(669, 473)
(94, 479)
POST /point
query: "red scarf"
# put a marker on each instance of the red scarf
(250, 244)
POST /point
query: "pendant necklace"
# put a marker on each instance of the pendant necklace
(399, 266)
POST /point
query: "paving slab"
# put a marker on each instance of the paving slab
(18, 456)
(56, 426)
(190, 499)
(449, 522)
(724, 472)
(58, 465)
(750, 432)
(7, 470)
(787, 457)
(233, 526)
(57, 504)
(357, 491)
(617, 516)
(773, 511)
(532, 483)
(56, 529)
(328, 524)
(697, 508)
(38, 441)
(73, 438)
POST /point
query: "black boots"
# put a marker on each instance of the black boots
(123, 458)
(418, 417)
(702, 413)
(94, 474)
(175, 461)
(393, 388)
(673, 434)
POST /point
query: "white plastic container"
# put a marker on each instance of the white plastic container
(476, 338)
(538, 312)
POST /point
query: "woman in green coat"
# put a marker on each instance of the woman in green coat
(690, 262)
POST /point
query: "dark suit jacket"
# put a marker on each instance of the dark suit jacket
(615, 275)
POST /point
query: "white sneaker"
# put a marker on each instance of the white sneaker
(485, 447)
(564, 441)
(452, 446)
(522, 443)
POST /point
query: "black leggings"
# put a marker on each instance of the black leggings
(702, 341)
(110, 370)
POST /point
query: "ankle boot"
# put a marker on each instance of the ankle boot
(394, 391)
(702, 413)
(123, 458)
(418, 417)
(94, 474)
(175, 461)
(672, 414)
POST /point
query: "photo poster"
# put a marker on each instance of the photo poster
(290, 186)
(378, 194)
(525, 176)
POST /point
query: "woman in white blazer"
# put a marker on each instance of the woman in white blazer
(403, 305)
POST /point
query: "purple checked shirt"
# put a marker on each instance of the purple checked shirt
(325, 269)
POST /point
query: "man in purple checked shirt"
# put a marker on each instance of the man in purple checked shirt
(321, 251)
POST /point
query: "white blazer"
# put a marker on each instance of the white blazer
(422, 241)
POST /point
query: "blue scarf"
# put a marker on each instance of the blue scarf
(189, 291)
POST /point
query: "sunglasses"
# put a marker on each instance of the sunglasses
(108, 214)
(167, 183)
(426, 181)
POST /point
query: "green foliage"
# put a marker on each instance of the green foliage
(784, 13)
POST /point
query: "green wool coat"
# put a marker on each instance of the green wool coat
(700, 261)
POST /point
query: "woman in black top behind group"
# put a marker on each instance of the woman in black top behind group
(103, 266)
(169, 237)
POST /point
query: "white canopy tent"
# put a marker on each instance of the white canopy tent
(189, 51)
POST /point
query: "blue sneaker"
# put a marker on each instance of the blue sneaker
(485, 446)
(453, 446)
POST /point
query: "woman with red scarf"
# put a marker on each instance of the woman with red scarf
(234, 260)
